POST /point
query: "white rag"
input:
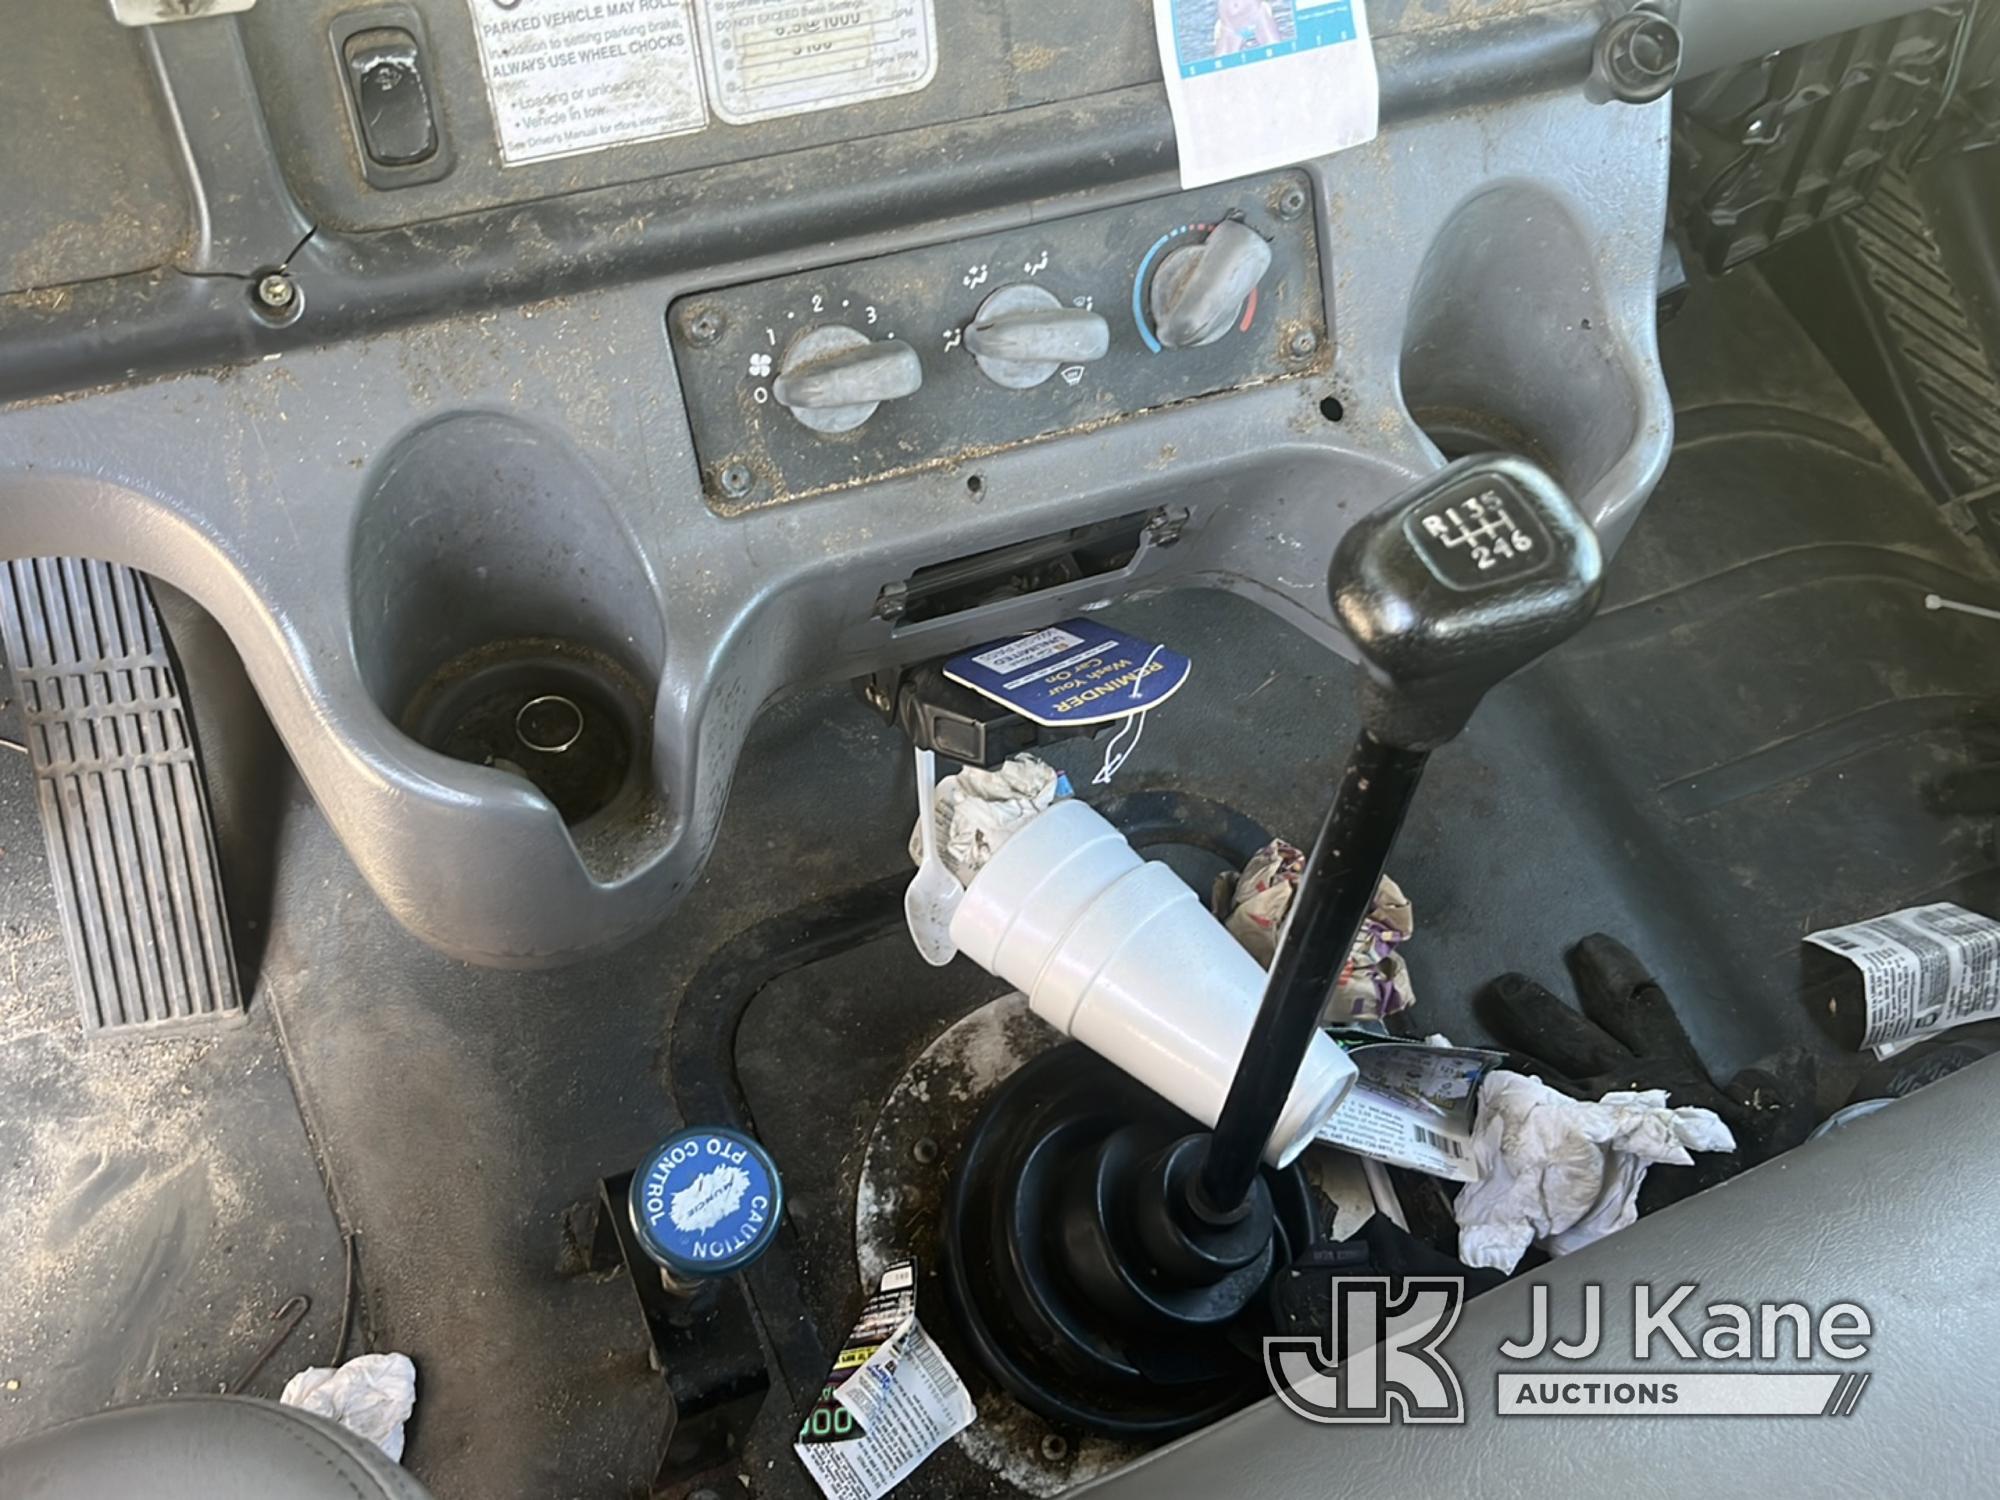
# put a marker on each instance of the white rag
(372, 1396)
(979, 810)
(1564, 1172)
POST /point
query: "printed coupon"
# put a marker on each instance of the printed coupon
(569, 76)
(768, 58)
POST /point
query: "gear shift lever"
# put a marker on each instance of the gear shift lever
(1104, 1259)
(1444, 593)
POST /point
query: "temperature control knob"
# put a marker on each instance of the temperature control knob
(1199, 291)
(1023, 334)
(833, 377)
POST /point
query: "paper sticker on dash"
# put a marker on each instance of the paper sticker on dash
(573, 76)
(1257, 84)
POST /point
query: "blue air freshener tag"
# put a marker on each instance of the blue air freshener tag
(1078, 672)
(706, 1202)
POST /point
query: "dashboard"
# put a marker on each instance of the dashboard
(667, 428)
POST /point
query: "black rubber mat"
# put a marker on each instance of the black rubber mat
(1753, 727)
(122, 800)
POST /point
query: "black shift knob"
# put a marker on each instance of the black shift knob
(1457, 584)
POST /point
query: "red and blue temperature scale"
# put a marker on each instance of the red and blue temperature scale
(1179, 231)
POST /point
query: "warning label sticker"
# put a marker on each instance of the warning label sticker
(567, 76)
(768, 58)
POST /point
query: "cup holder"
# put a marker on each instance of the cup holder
(503, 615)
(1511, 345)
(561, 716)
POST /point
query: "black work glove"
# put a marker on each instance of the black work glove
(1628, 1037)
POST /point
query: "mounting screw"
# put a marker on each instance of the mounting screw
(1291, 202)
(1055, 1447)
(276, 298)
(736, 480)
(703, 326)
(1303, 344)
(925, 1151)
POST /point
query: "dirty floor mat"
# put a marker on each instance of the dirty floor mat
(161, 1199)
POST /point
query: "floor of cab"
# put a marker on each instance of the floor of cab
(1736, 753)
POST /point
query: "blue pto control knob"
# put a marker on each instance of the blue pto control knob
(706, 1202)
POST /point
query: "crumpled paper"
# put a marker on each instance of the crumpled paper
(1376, 981)
(372, 1396)
(979, 810)
(1564, 1172)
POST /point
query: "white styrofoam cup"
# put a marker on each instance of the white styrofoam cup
(1121, 955)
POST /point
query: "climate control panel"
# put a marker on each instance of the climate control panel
(829, 379)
